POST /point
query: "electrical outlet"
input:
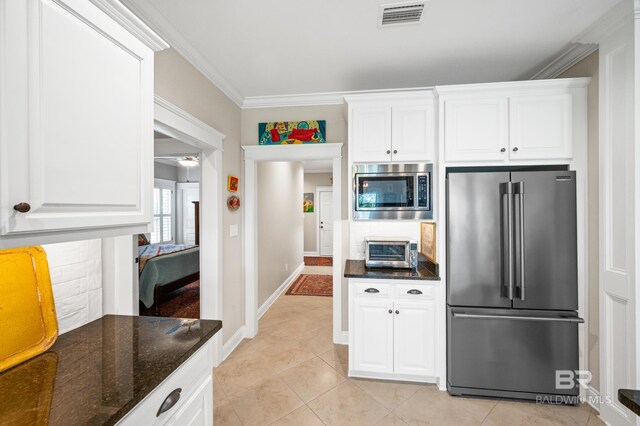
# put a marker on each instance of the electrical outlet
(286, 267)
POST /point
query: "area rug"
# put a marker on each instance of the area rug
(312, 285)
(182, 303)
(318, 261)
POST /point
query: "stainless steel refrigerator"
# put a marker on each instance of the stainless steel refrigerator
(512, 283)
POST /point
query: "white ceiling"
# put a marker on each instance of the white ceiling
(269, 47)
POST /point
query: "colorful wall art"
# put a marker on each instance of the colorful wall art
(292, 132)
(307, 206)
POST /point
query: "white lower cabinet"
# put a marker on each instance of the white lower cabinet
(392, 330)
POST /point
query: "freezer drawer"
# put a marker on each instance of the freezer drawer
(506, 350)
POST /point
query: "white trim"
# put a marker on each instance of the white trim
(283, 287)
(343, 338)
(314, 99)
(252, 155)
(593, 399)
(311, 253)
(319, 189)
(155, 19)
(232, 343)
(568, 58)
(392, 376)
(610, 22)
(123, 16)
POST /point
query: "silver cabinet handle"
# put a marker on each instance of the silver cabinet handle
(372, 290)
(171, 400)
(520, 192)
(515, 149)
(414, 291)
(518, 318)
(503, 149)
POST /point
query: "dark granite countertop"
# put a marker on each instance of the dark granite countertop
(358, 269)
(96, 374)
(630, 398)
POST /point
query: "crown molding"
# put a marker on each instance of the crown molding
(160, 24)
(327, 98)
(618, 16)
(123, 16)
(573, 54)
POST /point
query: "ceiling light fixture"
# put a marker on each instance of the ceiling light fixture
(188, 161)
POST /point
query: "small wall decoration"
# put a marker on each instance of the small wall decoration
(307, 206)
(428, 240)
(292, 132)
(232, 183)
(233, 203)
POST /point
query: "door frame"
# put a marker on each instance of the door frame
(178, 124)
(320, 189)
(253, 154)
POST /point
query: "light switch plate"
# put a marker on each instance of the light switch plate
(233, 230)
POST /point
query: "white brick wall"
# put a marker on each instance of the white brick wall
(76, 275)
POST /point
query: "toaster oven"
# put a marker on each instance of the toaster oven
(384, 252)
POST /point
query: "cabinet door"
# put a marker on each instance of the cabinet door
(412, 133)
(414, 337)
(372, 334)
(371, 133)
(198, 409)
(78, 124)
(475, 129)
(540, 127)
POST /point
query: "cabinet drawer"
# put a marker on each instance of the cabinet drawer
(371, 289)
(410, 291)
(187, 377)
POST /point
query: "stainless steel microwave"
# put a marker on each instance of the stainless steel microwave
(381, 252)
(392, 191)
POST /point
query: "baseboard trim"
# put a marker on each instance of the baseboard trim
(232, 343)
(311, 253)
(343, 338)
(593, 398)
(283, 287)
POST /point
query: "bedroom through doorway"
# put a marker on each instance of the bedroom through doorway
(169, 257)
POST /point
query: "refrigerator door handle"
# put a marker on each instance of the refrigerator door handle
(507, 189)
(520, 318)
(519, 191)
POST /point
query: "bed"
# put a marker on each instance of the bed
(165, 268)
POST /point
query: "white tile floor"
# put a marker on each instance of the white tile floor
(293, 374)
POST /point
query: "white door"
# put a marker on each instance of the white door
(540, 127)
(476, 129)
(412, 133)
(372, 334)
(371, 133)
(77, 151)
(188, 216)
(414, 337)
(326, 223)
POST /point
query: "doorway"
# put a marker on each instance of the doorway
(325, 219)
(256, 154)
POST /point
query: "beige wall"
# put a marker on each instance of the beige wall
(311, 181)
(177, 81)
(280, 224)
(588, 67)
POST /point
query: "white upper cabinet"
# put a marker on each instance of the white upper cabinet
(76, 119)
(541, 127)
(371, 126)
(398, 128)
(511, 122)
(475, 129)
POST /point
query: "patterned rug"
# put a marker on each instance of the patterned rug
(318, 261)
(182, 303)
(312, 285)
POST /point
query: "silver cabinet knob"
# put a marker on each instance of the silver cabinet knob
(395, 151)
(515, 149)
(390, 311)
(388, 151)
(503, 149)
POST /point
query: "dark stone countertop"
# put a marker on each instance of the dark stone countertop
(358, 269)
(630, 398)
(96, 374)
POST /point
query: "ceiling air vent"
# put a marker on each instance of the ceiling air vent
(401, 13)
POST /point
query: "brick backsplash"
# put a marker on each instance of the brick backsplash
(76, 276)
